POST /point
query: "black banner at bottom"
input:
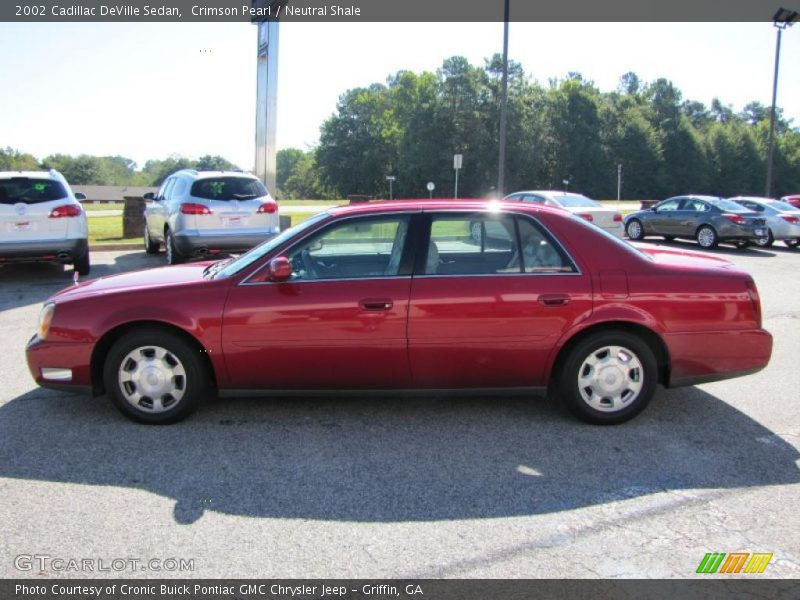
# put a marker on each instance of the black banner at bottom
(421, 589)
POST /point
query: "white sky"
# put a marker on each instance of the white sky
(150, 90)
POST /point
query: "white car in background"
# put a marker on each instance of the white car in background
(42, 220)
(202, 213)
(591, 210)
(783, 219)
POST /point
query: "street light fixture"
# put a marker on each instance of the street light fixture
(782, 19)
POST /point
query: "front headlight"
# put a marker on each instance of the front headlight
(45, 317)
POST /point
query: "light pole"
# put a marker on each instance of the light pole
(391, 179)
(781, 20)
(501, 167)
(458, 160)
(619, 184)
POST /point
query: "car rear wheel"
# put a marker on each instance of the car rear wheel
(608, 378)
(741, 245)
(154, 376)
(82, 265)
(669, 238)
(150, 246)
(634, 229)
(766, 242)
(707, 237)
(792, 243)
(174, 257)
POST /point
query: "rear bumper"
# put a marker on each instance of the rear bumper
(707, 356)
(236, 241)
(731, 231)
(48, 250)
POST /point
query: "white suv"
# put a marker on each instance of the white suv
(42, 220)
(201, 213)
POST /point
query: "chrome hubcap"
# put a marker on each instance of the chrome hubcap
(634, 229)
(152, 379)
(610, 378)
(705, 237)
(762, 241)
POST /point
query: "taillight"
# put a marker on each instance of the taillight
(190, 208)
(269, 208)
(790, 218)
(65, 210)
(586, 216)
(617, 218)
(752, 291)
(735, 219)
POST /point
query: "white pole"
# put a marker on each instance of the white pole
(619, 184)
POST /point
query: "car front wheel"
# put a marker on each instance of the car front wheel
(634, 230)
(154, 376)
(766, 242)
(608, 378)
(707, 237)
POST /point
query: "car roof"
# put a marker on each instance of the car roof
(751, 198)
(32, 174)
(209, 174)
(442, 205)
(549, 193)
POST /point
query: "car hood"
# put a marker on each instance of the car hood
(686, 258)
(136, 280)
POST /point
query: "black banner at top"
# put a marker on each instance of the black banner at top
(389, 10)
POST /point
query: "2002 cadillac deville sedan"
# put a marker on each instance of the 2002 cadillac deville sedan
(404, 296)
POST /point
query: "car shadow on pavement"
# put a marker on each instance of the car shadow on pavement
(387, 459)
(723, 249)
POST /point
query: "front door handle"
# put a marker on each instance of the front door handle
(376, 304)
(554, 299)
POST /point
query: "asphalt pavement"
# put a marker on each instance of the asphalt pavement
(414, 488)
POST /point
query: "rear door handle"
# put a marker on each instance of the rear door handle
(554, 299)
(376, 304)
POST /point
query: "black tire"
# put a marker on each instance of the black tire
(792, 243)
(669, 238)
(741, 245)
(590, 406)
(179, 395)
(82, 265)
(638, 229)
(767, 241)
(150, 246)
(174, 257)
(707, 237)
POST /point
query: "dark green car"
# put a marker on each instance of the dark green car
(707, 219)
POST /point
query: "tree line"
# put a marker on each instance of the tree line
(564, 131)
(109, 170)
(567, 130)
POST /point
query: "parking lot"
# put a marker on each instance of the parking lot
(415, 488)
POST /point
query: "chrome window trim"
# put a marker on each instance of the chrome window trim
(246, 281)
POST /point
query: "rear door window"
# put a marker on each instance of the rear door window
(30, 190)
(228, 188)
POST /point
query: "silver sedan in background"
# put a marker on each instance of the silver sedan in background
(783, 219)
(586, 208)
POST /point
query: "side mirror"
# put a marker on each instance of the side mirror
(280, 269)
(149, 196)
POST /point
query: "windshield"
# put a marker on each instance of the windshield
(245, 260)
(781, 206)
(228, 188)
(576, 201)
(729, 206)
(30, 190)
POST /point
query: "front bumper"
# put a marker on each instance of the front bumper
(64, 251)
(705, 356)
(49, 364)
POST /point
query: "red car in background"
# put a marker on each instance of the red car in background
(402, 296)
(794, 200)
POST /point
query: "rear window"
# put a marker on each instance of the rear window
(228, 188)
(730, 206)
(30, 190)
(576, 201)
(782, 206)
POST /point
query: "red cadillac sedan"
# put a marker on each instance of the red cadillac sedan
(404, 296)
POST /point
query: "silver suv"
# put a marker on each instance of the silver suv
(201, 213)
(41, 219)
